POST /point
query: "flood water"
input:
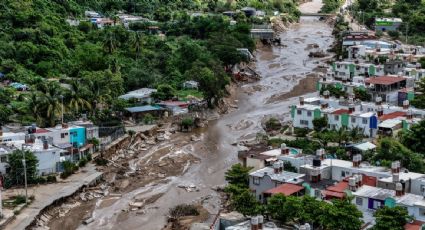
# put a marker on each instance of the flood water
(281, 69)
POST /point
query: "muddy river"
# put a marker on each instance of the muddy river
(284, 72)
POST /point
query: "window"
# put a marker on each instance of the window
(342, 173)
(336, 118)
(3, 159)
(421, 211)
(308, 113)
(256, 180)
(376, 204)
(359, 201)
(353, 120)
(304, 122)
(422, 188)
(299, 112)
(364, 121)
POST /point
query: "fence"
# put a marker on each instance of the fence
(108, 135)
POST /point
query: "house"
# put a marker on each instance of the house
(393, 66)
(416, 73)
(361, 148)
(387, 24)
(49, 157)
(271, 177)
(346, 70)
(371, 198)
(386, 87)
(350, 114)
(91, 14)
(139, 112)
(255, 223)
(142, 95)
(190, 85)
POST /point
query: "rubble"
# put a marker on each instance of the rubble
(189, 188)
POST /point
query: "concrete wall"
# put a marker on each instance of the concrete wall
(255, 163)
(47, 160)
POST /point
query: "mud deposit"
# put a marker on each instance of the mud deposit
(146, 180)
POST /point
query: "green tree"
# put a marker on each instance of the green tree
(391, 218)
(284, 208)
(320, 124)
(238, 175)
(390, 149)
(342, 214)
(414, 138)
(245, 203)
(16, 174)
(164, 92)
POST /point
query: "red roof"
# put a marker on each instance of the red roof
(285, 189)
(341, 111)
(415, 225)
(384, 80)
(392, 115)
(340, 187)
(38, 130)
(330, 194)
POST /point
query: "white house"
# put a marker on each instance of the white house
(48, 156)
(271, 177)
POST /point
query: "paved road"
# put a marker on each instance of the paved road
(45, 195)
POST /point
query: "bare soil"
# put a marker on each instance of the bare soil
(305, 85)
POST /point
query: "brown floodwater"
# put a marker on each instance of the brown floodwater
(283, 70)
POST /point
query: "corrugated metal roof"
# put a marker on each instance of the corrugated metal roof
(146, 108)
(384, 80)
(285, 189)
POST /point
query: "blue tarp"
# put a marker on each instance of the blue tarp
(146, 108)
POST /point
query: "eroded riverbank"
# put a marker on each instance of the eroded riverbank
(284, 71)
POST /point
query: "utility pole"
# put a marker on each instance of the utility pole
(25, 175)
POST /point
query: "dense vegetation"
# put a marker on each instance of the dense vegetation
(86, 68)
(412, 12)
(330, 6)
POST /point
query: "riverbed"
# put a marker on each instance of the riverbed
(287, 73)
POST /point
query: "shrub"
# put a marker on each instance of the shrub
(83, 161)
(101, 161)
(301, 132)
(183, 210)
(51, 178)
(19, 199)
(187, 122)
(394, 34)
(41, 180)
(273, 124)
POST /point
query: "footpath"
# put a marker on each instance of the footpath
(46, 195)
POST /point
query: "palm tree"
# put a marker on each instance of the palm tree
(356, 134)
(136, 42)
(76, 100)
(110, 41)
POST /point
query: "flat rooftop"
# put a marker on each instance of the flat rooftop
(287, 177)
